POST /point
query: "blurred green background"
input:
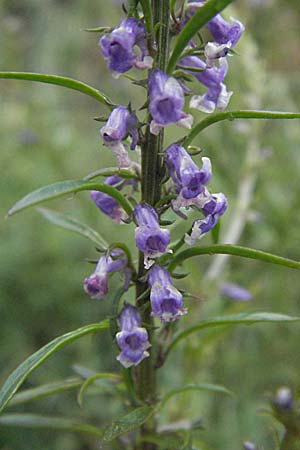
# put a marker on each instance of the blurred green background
(48, 134)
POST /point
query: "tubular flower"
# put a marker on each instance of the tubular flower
(166, 301)
(214, 208)
(96, 285)
(217, 95)
(107, 204)
(166, 102)
(126, 47)
(225, 34)
(186, 175)
(120, 123)
(132, 339)
(150, 238)
(235, 292)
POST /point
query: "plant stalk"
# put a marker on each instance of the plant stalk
(151, 190)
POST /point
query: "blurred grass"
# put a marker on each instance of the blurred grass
(48, 134)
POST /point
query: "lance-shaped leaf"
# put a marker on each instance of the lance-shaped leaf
(193, 387)
(198, 20)
(61, 188)
(98, 376)
(232, 115)
(53, 423)
(235, 250)
(69, 83)
(234, 319)
(45, 390)
(69, 223)
(127, 423)
(15, 380)
(123, 173)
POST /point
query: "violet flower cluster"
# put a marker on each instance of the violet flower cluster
(125, 47)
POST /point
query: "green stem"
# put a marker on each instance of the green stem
(151, 192)
(232, 115)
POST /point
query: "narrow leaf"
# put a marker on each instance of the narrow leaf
(59, 81)
(61, 188)
(232, 115)
(235, 250)
(46, 390)
(54, 423)
(15, 380)
(199, 19)
(147, 11)
(128, 423)
(235, 319)
(193, 387)
(69, 223)
(98, 376)
(123, 173)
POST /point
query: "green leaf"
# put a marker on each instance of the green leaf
(54, 423)
(199, 19)
(235, 250)
(165, 441)
(15, 380)
(128, 423)
(234, 319)
(193, 387)
(69, 223)
(59, 81)
(46, 390)
(123, 173)
(98, 376)
(232, 115)
(61, 188)
(147, 11)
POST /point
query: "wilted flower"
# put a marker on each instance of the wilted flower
(166, 102)
(126, 47)
(213, 210)
(120, 123)
(107, 204)
(132, 339)
(217, 95)
(166, 301)
(96, 285)
(186, 175)
(150, 238)
(235, 292)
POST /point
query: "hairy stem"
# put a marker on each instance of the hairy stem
(151, 191)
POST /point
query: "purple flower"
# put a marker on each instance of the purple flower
(166, 301)
(226, 35)
(120, 123)
(216, 95)
(126, 47)
(213, 209)
(235, 292)
(107, 204)
(247, 445)
(166, 102)
(150, 238)
(132, 339)
(186, 175)
(96, 285)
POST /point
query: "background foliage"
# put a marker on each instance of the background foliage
(48, 134)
